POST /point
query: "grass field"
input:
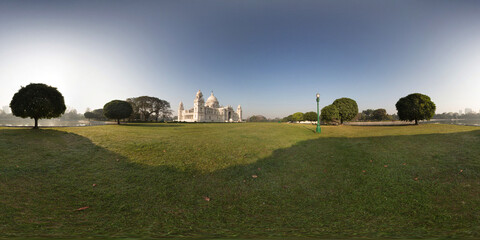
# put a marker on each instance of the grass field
(240, 180)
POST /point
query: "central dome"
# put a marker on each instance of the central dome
(212, 102)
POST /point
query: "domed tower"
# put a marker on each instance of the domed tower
(199, 98)
(180, 112)
(212, 102)
(198, 107)
(239, 113)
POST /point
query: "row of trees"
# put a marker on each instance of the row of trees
(38, 101)
(144, 108)
(261, 118)
(69, 115)
(452, 115)
(413, 107)
(299, 116)
(96, 114)
(374, 115)
(341, 110)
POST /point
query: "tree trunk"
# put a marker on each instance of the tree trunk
(36, 123)
(416, 122)
(118, 121)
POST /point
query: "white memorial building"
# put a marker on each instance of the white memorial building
(209, 111)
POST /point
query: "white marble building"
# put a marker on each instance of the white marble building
(209, 111)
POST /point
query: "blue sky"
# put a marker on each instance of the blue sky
(271, 57)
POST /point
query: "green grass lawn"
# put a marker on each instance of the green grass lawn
(261, 180)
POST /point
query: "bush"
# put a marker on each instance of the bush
(380, 114)
(257, 118)
(298, 116)
(310, 116)
(330, 114)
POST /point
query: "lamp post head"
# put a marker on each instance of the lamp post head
(318, 97)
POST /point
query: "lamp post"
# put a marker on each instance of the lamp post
(319, 130)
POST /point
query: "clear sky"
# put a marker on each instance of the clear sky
(270, 56)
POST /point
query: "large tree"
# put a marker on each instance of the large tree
(330, 114)
(161, 108)
(145, 106)
(415, 107)
(117, 109)
(37, 101)
(347, 109)
(142, 106)
(310, 116)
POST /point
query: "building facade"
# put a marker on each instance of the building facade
(209, 111)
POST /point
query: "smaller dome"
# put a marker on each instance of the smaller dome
(199, 94)
(212, 102)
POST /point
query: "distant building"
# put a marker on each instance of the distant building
(460, 112)
(468, 110)
(209, 111)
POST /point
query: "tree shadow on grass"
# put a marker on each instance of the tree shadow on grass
(310, 129)
(380, 125)
(47, 175)
(152, 125)
(316, 188)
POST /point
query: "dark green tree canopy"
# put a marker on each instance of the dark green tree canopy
(380, 114)
(415, 107)
(99, 114)
(367, 114)
(310, 116)
(37, 101)
(257, 118)
(347, 109)
(330, 114)
(375, 115)
(288, 118)
(117, 109)
(144, 107)
(298, 116)
(89, 115)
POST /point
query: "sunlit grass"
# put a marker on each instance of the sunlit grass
(261, 180)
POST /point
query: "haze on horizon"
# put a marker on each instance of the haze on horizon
(271, 57)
